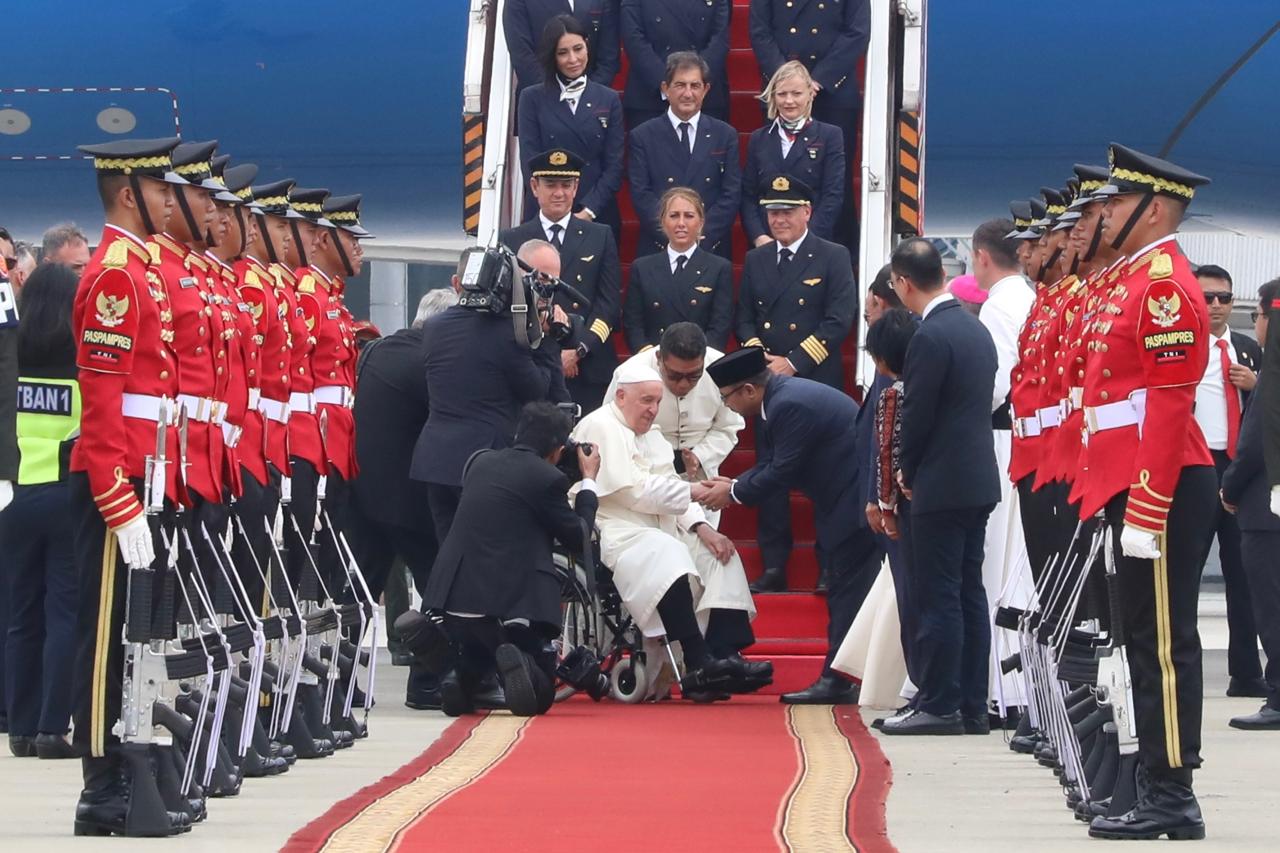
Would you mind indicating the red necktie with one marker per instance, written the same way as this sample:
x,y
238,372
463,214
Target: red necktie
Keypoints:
x,y
1233,400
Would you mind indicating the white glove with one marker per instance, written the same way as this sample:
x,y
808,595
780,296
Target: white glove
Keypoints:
x,y
136,547
6,493
1275,500
1138,544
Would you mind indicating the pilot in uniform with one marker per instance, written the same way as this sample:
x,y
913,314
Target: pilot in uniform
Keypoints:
x,y
830,37
652,30
1150,471
589,264
796,300
124,333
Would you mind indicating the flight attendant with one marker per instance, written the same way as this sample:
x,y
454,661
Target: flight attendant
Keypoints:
x,y
686,283
793,143
570,111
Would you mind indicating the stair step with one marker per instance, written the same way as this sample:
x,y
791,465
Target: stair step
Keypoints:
x,y
799,616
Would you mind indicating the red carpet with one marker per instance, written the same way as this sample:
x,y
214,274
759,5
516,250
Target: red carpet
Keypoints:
x,y
747,775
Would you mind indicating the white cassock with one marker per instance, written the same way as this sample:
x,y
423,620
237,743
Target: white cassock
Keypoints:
x,y
699,421
1006,572
644,520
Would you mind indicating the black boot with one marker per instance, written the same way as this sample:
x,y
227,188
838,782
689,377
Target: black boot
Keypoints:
x,y
827,690
49,745
130,804
1166,806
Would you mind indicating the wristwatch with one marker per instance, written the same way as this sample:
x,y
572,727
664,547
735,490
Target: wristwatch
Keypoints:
x,y
581,350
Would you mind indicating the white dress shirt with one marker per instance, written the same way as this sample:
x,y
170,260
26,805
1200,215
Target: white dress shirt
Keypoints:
x,y
794,247
547,223
934,303
692,121
1211,395
1004,313
673,256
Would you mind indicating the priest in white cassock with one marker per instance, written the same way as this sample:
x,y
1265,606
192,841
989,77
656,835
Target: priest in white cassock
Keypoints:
x,y
677,575
692,417
1006,572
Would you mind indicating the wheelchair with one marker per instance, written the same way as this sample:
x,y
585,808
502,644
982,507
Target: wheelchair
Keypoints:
x,y
593,617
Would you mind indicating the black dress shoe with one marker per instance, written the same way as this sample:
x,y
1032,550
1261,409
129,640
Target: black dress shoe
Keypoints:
x,y
748,676
1165,807
712,676
923,723
423,700
515,671
878,722
827,690
705,697
1249,688
1266,718
454,700
977,725
772,580
110,817
283,750
49,745
820,588
488,695
22,746
1025,744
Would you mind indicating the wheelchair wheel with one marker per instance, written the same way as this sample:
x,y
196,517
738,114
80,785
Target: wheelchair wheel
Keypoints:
x,y
628,681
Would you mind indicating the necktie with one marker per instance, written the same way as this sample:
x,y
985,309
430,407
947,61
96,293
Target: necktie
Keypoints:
x,y
555,235
684,136
784,258
681,260
1233,400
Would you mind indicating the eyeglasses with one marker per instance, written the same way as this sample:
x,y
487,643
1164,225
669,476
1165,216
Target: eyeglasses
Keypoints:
x,y
724,398
1219,297
692,376
1254,315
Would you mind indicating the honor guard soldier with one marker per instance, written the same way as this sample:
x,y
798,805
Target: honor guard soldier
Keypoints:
x,y
652,30
1151,472
684,147
797,301
830,39
588,262
123,326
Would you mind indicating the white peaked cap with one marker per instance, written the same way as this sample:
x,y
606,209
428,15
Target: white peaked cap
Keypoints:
x,y
633,371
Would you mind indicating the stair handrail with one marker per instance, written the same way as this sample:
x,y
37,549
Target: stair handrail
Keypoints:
x,y
500,199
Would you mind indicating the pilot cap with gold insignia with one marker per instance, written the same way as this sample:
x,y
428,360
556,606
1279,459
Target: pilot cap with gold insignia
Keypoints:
x,y
273,199
310,203
556,163
143,158
1135,172
783,191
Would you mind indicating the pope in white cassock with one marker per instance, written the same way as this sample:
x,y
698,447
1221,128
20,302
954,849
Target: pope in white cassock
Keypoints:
x,y
692,417
677,575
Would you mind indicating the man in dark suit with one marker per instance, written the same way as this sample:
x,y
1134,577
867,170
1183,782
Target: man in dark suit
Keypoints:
x,y
797,300
948,469
813,447
1221,400
588,262
478,377
1245,493
684,147
830,38
652,30
496,568
523,21
388,512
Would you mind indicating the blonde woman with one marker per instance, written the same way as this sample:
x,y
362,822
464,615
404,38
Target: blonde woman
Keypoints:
x,y
795,144
684,283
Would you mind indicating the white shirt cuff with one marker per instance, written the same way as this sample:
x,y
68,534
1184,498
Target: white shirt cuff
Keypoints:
x,y
732,496
587,485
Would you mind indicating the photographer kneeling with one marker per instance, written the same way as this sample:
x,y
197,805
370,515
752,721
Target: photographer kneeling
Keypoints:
x,y
494,581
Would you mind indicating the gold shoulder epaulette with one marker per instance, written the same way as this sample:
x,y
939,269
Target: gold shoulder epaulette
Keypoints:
x,y
117,254
251,279
153,249
307,285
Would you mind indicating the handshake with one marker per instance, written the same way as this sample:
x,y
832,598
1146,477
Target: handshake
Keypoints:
x,y
713,493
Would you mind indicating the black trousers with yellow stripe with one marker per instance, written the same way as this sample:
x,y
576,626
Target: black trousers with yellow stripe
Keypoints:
x,y
1159,604
99,666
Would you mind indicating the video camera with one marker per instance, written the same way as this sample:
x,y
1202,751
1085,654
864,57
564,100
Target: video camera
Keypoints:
x,y
488,284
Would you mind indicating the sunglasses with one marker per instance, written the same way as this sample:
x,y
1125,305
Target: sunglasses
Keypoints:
x,y
1254,315
1220,298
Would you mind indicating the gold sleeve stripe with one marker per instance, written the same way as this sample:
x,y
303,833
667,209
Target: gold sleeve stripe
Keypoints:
x,y
814,348
103,507
120,479
600,329
132,509
754,342
1144,483
1152,530
1153,507
1154,519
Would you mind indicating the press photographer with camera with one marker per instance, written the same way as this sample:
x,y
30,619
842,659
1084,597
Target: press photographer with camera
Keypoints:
x,y
494,581
486,357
